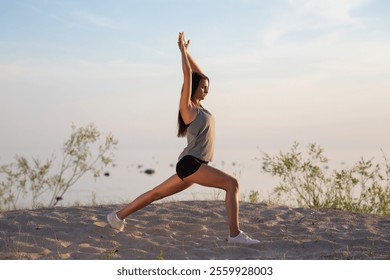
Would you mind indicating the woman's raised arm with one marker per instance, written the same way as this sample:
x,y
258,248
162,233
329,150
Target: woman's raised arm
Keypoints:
x,y
187,109
194,66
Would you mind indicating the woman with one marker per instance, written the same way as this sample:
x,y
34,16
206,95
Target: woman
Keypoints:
x,y
197,124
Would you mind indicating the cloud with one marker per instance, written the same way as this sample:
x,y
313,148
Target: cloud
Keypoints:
x,y
98,20
334,10
308,16
62,71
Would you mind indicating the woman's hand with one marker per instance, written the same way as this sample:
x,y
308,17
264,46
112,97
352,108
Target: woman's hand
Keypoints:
x,y
183,45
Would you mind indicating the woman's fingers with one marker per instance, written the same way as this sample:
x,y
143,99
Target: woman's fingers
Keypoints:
x,y
179,38
182,42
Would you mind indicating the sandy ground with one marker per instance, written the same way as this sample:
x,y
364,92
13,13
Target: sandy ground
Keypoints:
x,y
192,230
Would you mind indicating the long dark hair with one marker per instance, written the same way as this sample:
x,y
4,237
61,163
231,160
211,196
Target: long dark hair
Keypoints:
x,y
182,127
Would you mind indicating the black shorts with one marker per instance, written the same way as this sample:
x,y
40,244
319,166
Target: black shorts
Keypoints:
x,y
188,165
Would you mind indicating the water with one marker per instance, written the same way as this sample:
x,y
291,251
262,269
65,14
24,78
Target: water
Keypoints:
x,y
127,178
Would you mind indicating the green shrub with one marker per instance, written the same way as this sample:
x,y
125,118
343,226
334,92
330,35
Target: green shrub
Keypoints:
x,y
307,180
82,153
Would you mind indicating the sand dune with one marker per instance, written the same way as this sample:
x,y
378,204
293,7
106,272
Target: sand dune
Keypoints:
x,y
192,230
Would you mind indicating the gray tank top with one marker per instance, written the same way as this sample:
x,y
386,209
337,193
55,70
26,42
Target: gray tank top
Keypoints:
x,y
200,137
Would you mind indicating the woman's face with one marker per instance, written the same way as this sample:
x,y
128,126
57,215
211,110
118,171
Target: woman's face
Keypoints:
x,y
202,90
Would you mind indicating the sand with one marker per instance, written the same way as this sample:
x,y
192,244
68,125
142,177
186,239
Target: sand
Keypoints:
x,y
194,230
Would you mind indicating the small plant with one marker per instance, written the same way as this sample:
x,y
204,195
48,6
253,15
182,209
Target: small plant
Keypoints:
x,y
82,154
93,199
161,256
217,194
110,253
307,180
254,197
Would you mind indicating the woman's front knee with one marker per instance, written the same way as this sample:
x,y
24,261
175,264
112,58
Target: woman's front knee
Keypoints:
x,y
233,184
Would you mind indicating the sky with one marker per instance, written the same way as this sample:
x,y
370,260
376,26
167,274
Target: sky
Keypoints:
x,y
280,71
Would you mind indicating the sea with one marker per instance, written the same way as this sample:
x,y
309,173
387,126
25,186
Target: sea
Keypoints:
x,y
136,171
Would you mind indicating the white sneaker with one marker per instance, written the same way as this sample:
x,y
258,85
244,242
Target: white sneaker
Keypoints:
x,y
242,238
115,222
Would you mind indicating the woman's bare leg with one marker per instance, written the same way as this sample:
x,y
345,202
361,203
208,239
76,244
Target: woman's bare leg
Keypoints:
x,y
169,187
212,177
